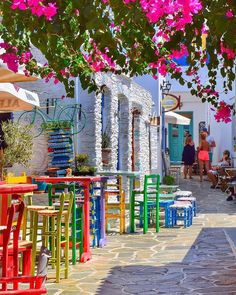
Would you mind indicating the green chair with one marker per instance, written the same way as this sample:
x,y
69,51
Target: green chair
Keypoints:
x,y
76,224
149,198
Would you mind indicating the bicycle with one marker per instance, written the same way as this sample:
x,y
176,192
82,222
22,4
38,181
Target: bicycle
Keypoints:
x,y
63,117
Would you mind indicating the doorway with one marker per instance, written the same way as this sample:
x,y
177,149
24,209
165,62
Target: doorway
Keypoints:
x,y
176,137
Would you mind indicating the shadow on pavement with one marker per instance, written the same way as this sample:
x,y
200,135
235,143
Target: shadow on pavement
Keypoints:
x,y
208,268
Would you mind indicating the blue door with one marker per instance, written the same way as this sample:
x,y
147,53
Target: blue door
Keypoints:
x,y
176,138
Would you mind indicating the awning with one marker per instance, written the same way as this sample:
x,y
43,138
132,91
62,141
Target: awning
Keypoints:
x,y
13,98
8,76
174,118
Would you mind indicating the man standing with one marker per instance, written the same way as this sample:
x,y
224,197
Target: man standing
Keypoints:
x,y
211,141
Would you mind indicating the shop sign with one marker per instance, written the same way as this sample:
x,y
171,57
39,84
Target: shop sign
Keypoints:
x,y
170,102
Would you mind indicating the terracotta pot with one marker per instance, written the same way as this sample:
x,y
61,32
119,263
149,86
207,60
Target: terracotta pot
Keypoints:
x,y
106,156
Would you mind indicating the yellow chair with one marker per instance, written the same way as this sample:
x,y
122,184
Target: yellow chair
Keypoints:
x,y
115,210
55,223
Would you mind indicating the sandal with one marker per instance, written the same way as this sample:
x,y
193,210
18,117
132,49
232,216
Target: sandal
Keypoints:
x,y
230,198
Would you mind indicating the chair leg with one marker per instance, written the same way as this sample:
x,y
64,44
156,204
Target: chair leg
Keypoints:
x,y
26,261
132,213
53,241
34,247
73,233
157,213
58,253
67,250
145,214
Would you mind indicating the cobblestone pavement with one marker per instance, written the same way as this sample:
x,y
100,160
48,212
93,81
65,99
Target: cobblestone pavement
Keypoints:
x,y
196,260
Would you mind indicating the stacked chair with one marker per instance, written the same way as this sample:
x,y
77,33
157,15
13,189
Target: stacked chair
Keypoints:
x,y
115,203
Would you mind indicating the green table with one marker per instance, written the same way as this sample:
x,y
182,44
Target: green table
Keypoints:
x,y
131,175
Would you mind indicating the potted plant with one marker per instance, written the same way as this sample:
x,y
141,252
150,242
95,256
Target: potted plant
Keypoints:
x,y
168,180
86,170
82,165
106,148
19,145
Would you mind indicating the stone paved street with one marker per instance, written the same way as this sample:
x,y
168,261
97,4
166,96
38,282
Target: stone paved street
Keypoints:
x,y
196,260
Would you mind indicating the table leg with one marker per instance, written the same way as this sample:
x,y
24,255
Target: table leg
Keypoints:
x,y
103,240
87,253
4,204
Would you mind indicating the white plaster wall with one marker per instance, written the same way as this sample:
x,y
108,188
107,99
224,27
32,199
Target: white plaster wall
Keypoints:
x,y
222,132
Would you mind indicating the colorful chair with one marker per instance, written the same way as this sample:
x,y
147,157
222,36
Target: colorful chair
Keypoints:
x,y
149,199
165,204
13,247
192,200
55,222
76,224
35,285
181,211
115,203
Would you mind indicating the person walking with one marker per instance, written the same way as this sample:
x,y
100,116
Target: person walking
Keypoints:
x,y
211,140
203,154
188,157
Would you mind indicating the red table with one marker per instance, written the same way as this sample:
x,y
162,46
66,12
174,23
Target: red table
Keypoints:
x,y
85,181
6,191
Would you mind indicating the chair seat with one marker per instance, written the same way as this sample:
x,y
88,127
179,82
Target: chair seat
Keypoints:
x,y
22,245
50,212
25,244
38,208
182,194
112,191
181,205
191,199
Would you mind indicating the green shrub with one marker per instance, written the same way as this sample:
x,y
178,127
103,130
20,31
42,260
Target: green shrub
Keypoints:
x,y
168,180
81,159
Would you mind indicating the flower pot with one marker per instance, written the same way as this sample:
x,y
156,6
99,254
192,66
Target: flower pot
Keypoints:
x,y
106,156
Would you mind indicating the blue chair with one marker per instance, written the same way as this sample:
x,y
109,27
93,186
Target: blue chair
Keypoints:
x,y
166,204
180,211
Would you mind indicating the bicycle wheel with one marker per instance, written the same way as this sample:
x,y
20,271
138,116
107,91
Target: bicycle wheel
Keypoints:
x,y
73,114
33,118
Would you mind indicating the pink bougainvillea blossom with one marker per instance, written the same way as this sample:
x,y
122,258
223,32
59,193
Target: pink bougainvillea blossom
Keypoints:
x,y
77,12
99,60
229,52
229,13
223,113
37,7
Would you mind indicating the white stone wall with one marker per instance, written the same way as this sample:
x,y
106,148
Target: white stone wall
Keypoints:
x,y
119,90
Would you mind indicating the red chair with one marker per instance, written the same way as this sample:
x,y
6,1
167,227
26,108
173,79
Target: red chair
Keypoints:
x,y
35,285
12,247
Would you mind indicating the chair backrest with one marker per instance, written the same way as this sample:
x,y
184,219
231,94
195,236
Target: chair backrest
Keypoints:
x,y
55,190
13,179
152,181
14,220
66,203
151,184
